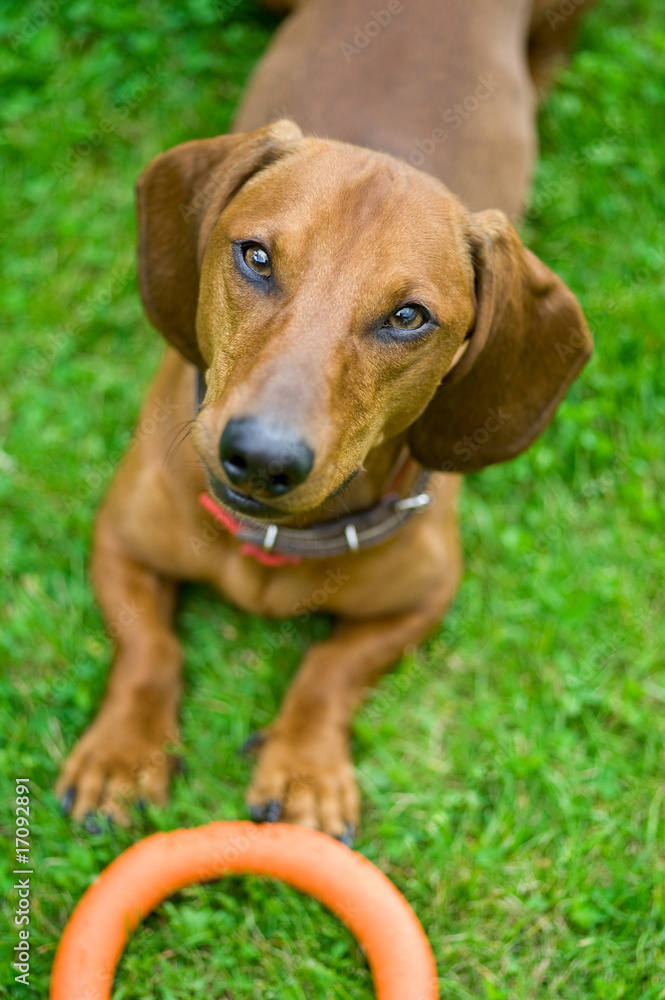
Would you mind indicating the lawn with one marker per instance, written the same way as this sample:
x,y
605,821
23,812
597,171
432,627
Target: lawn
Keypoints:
x,y
513,770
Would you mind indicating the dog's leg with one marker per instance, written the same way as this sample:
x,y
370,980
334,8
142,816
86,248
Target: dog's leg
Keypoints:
x,y
305,772
124,752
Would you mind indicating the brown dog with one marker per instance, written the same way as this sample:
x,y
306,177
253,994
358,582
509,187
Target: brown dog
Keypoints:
x,y
357,322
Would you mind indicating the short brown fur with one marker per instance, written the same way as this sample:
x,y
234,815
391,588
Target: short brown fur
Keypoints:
x,y
353,233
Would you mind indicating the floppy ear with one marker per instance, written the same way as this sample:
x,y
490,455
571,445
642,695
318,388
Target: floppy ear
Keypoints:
x,y
179,198
528,343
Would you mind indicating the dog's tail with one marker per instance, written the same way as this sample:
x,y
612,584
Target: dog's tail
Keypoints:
x,y
552,33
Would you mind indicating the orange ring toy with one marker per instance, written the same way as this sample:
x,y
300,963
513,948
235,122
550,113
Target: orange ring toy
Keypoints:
x,y
376,913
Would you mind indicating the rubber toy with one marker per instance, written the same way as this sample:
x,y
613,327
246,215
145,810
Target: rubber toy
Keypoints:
x,y
376,913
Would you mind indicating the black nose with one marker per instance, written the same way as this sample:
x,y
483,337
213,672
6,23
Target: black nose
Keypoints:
x,y
264,457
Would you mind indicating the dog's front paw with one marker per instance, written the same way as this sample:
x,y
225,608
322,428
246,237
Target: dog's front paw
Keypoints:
x,y
117,759
306,780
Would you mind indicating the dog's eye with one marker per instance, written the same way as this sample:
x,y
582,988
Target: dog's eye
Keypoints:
x,y
409,317
258,259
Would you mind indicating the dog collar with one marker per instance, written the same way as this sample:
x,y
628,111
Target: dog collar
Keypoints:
x,y
273,545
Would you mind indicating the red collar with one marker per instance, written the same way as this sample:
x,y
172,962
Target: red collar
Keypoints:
x,y
274,546
233,526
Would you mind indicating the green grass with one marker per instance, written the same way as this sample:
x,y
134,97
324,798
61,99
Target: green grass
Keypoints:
x,y
513,769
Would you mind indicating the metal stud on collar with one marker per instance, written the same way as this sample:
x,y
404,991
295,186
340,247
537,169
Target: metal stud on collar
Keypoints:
x,y
270,537
410,503
352,537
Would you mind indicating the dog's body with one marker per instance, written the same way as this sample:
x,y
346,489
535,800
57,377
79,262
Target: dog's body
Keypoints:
x,y
445,87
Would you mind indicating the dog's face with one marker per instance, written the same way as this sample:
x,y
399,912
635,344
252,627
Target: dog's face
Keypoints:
x,y
335,290
329,307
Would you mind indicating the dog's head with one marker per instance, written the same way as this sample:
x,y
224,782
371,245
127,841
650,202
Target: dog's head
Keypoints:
x,y
338,298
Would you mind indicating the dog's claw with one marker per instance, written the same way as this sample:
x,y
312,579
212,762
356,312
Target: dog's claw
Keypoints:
x,y
348,835
67,800
274,811
180,765
91,824
253,742
267,812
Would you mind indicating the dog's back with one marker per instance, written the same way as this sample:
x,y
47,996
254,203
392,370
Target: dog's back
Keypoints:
x,y
443,84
